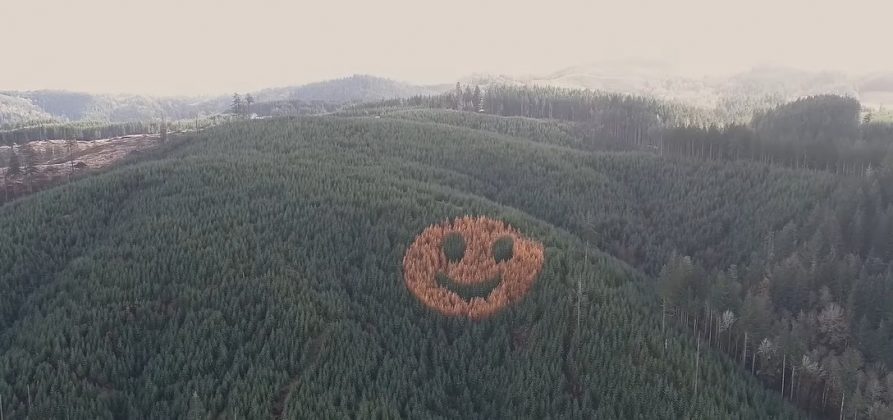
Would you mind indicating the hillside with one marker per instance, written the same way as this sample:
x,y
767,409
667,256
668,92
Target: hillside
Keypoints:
x,y
254,270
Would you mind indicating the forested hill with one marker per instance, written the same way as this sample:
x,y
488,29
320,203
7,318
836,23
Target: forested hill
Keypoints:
x,y
794,287
254,271
28,108
823,132
356,88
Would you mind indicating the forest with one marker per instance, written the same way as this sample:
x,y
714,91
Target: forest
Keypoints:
x,y
257,268
808,311
237,272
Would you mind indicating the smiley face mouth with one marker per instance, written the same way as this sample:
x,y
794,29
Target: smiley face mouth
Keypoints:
x,y
468,291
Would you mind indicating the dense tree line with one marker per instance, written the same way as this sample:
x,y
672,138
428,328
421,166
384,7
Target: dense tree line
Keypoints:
x,y
542,131
294,107
100,130
813,300
254,271
821,132
599,120
76,131
812,120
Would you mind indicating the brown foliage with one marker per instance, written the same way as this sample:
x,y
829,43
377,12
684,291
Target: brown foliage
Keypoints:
x,y
425,258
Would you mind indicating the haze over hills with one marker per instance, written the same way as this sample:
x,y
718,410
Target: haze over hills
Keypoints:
x,y
22,107
664,81
759,87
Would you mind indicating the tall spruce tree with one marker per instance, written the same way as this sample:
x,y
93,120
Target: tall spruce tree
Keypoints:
x,y
236,107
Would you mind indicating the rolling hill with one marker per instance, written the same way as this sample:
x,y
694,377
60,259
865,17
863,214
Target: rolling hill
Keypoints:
x,y
254,270
356,88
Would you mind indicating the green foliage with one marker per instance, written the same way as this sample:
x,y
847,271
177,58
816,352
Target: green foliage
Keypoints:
x,y
454,246
815,119
818,132
197,409
541,131
503,249
292,107
813,299
258,267
92,130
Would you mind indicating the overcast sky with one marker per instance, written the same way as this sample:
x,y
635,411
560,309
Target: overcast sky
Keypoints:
x,y
217,46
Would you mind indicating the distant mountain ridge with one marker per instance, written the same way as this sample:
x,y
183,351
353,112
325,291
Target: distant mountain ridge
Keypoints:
x,y
356,88
733,97
22,107
662,81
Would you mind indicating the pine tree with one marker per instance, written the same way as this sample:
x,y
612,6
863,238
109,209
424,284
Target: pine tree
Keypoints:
x,y
197,409
458,94
477,99
248,101
236,107
467,98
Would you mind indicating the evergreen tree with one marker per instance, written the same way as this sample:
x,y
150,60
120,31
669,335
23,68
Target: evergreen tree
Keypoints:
x,y
467,98
163,134
236,107
458,94
248,101
197,410
478,99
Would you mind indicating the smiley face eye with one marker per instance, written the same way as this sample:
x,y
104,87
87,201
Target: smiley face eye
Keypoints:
x,y
454,247
503,249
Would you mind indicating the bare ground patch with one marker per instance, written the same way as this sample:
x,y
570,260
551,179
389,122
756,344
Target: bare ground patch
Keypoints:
x,y
57,161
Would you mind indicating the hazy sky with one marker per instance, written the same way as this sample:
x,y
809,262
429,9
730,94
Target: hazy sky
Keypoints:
x,y
216,46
